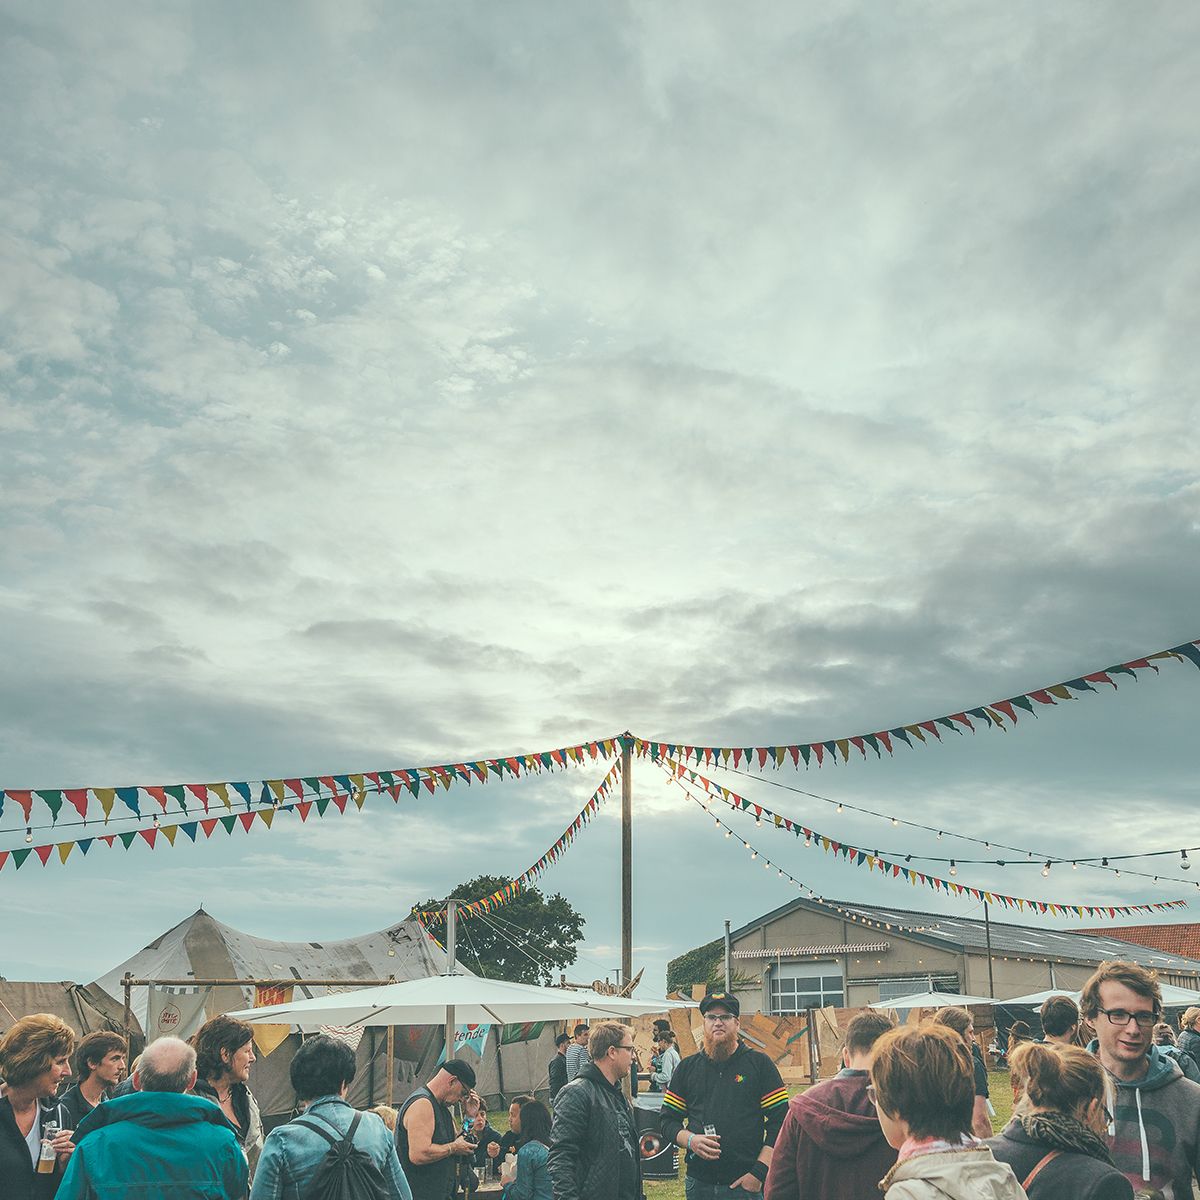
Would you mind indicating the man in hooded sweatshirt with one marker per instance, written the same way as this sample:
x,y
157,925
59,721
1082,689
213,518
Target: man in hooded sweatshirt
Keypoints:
x,y
1155,1130
831,1144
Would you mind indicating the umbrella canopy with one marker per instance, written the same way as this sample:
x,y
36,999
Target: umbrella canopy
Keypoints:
x,y
935,1000
1176,997
475,1000
1037,999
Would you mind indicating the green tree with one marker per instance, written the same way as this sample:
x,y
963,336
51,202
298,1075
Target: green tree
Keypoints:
x,y
522,941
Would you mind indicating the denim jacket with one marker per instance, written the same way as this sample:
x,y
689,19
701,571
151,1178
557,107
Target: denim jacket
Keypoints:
x,y
291,1153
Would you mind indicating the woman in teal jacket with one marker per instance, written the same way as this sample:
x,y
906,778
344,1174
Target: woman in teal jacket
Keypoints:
x,y
532,1180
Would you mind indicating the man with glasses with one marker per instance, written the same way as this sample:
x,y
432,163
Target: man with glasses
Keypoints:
x,y
1155,1129
732,1101
593,1142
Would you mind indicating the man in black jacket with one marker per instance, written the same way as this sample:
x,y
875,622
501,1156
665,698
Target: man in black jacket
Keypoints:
x,y
558,1065
594,1142
733,1101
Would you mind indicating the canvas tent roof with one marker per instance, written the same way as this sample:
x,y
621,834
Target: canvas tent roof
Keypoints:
x,y
85,1008
202,947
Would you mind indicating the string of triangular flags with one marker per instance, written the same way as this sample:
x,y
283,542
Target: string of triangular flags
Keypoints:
x,y
192,830
999,714
278,792
511,890
715,792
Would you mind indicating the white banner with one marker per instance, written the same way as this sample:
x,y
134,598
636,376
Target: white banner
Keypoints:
x,y
177,1012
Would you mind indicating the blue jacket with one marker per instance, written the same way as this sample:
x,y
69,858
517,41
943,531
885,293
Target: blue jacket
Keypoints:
x,y
155,1146
292,1153
533,1174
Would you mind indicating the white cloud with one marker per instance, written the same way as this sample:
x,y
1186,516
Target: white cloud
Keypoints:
x,y
390,385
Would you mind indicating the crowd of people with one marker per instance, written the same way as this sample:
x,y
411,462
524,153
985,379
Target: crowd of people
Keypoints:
x,y
908,1115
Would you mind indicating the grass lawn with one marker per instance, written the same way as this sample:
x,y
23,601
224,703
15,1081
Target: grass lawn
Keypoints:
x,y
998,1085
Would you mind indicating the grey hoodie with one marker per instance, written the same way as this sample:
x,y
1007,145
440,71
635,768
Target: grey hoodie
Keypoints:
x,y
967,1174
1155,1132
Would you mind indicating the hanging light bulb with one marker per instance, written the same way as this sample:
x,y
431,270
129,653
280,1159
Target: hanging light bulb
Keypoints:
x,y
1104,862
28,836
758,822
156,820
839,808
729,833
808,845
754,855
953,867
939,835
1074,866
894,821
1046,868
766,866
1184,864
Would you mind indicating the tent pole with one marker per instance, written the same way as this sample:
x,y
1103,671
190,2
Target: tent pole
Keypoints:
x,y
987,929
391,1064
626,862
128,1020
451,969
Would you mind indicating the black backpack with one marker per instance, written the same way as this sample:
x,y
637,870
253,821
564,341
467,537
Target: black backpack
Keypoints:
x,y
345,1173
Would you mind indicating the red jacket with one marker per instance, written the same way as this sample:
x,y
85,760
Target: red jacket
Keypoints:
x,y
831,1146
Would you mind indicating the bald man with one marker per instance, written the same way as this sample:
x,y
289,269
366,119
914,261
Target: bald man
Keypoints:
x,y
157,1141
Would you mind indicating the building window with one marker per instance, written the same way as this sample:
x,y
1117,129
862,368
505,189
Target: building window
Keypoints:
x,y
799,986
893,989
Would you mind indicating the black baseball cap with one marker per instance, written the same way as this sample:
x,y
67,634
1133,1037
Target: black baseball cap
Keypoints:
x,y
461,1071
562,1037
724,999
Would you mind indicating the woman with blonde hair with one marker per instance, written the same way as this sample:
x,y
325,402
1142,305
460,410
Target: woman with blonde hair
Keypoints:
x,y
1056,1142
35,1058
1189,1036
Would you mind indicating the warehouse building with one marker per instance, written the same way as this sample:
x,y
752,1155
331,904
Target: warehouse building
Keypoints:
x,y
813,953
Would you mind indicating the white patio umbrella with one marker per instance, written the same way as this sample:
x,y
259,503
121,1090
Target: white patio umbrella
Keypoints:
x,y
1037,999
445,999
935,1000
1176,997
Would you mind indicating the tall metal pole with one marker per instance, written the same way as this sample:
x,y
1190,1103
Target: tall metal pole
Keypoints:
x,y
987,929
728,961
451,969
626,862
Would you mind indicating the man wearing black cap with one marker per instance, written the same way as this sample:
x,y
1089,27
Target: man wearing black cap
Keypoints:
x,y
731,1100
427,1139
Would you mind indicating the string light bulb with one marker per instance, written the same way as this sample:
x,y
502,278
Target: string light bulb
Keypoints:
x,y
953,867
839,808
729,833
1046,869
753,854
894,821
1184,863
28,835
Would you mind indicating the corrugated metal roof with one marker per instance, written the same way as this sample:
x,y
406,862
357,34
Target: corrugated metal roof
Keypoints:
x,y
967,933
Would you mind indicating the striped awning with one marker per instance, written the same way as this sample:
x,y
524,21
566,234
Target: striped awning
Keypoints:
x,y
800,951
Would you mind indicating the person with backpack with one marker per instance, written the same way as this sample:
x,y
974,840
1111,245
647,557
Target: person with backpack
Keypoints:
x,y
330,1151
1164,1039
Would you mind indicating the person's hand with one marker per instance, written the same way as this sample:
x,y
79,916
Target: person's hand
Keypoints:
x,y
460,1145
62,1144
493,1149
747,1182
706,1145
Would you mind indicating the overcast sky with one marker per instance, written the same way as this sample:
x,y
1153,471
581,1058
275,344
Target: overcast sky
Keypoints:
x,y
387,384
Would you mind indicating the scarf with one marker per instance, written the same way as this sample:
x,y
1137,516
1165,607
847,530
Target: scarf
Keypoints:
x,y
1064,1132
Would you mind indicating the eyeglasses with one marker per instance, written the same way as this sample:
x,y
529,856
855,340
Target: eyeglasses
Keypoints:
x,y
1118,1016
625,1046
717,1018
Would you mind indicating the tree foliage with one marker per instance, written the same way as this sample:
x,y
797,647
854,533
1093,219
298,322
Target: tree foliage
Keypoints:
x,y
522,941
702,965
